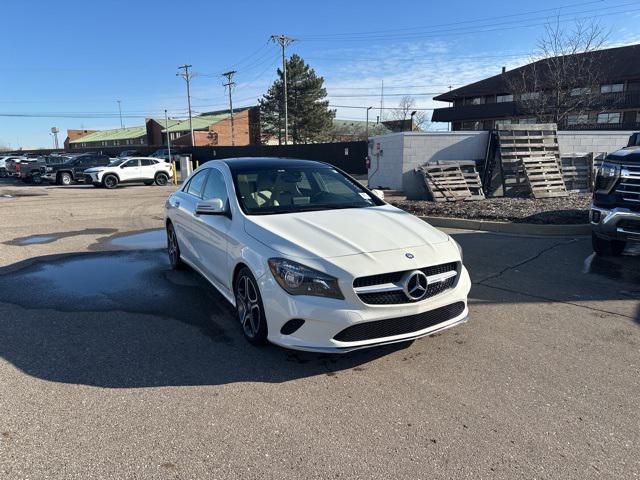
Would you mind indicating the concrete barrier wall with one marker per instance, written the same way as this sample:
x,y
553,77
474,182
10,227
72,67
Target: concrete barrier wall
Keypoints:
x,y
394,156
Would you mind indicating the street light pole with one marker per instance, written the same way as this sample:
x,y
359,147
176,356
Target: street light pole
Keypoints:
x,y
367,128
166,127
187,77
120,111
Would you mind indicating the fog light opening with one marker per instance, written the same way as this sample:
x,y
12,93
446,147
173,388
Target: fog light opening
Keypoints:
x,y
595,216
291,326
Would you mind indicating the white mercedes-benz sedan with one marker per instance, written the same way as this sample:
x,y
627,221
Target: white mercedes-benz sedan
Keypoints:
x,y
311,259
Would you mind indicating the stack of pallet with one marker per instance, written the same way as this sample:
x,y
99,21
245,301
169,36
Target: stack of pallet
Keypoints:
x,y
448,181
530,160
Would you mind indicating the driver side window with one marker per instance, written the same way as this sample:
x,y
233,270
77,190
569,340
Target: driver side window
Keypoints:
x,y
196,184
132,163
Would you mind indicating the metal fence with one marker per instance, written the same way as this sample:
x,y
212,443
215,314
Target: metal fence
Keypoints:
x,y
348,156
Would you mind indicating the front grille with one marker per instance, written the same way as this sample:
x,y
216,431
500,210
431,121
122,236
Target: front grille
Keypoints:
x,y
396,276
397,296
629,184
400,326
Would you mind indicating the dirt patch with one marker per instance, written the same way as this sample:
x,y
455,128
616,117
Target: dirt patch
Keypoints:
x,y
570,210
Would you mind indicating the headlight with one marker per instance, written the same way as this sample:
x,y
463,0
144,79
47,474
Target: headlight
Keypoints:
x,y
297,279
459,248
608,174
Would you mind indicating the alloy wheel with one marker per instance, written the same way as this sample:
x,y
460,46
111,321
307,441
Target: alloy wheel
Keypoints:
x,y
248,305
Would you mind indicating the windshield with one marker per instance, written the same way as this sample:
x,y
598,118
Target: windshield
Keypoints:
x,y
298,189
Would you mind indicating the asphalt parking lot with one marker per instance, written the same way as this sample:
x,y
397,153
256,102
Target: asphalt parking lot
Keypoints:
x,y
114,366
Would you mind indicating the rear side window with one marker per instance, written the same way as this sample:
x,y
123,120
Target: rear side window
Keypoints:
x,y
196,184
146,163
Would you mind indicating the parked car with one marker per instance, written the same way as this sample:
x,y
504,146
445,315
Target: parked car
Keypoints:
x,y
12,166
163,153
615,207
130,170
311,259
3,165
129,153
73,169
32,169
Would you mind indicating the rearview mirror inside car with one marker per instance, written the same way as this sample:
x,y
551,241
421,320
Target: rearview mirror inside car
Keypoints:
x,y
215,206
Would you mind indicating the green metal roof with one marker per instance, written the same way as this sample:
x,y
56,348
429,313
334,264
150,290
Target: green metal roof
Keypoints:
x,y
201,122
163,123
115,134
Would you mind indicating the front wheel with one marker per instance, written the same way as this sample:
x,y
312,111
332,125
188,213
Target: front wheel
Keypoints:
x,y
36,179
65,179
173,249
110,181
162,179
249,308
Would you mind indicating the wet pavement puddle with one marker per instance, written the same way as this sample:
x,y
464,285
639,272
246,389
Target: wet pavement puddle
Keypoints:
x,y
147,240
49,238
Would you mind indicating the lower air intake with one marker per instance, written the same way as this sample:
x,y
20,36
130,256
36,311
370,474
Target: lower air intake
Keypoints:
x,y
399,326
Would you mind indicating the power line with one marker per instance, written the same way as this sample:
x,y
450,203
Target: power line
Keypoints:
x,y
463,22
481,28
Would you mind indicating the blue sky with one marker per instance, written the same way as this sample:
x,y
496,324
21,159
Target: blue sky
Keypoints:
x,y
66,63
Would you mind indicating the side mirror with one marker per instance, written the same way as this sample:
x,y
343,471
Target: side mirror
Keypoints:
x,y
378,193
215,206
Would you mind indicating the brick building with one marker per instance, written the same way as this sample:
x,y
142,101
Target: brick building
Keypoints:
x,y
614,106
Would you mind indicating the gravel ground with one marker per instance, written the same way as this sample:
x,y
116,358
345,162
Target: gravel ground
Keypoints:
x,y
569,210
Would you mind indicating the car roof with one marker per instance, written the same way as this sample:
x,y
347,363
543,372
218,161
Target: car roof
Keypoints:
x,y
249,163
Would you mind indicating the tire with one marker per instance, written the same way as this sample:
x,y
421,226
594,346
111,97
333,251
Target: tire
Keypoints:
x,y
65,178
36,179
110,181
173,249
249,308
162,179
604,247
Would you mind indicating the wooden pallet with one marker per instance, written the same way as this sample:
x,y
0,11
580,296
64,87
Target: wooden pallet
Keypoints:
x,y
445,183
520,143
544,177
448,181
577,171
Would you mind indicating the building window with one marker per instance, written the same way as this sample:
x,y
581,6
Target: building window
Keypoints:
x,y
474,101
528,121
504,98
505,121
577,119
611,117
576,92
612,88
530,96
104,143
637,117
472,125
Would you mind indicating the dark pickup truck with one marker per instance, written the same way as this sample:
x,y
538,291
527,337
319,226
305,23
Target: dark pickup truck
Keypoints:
x,y
73,169
615,208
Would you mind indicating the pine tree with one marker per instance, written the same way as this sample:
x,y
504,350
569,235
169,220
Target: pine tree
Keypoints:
x,y
310,119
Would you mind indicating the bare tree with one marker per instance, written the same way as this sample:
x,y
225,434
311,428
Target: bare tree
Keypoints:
x,y
407,105
565,75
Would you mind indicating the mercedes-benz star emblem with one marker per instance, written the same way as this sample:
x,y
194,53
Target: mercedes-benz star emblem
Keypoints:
x,y
415,285
408,255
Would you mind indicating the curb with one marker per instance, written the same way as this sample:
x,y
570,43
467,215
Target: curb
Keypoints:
x,y
505,227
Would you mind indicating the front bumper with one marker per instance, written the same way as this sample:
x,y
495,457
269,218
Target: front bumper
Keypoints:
x,y
325,318
616,223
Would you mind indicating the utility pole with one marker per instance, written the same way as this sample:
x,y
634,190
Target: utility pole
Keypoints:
x,y
120,111
230,83
187,77
166,127
367,128
382,101
284,41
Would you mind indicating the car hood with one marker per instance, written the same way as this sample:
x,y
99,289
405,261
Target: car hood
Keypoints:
x,y
95,169
335,233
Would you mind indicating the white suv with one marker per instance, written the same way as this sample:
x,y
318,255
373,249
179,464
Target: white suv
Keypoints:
x,y
129,170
